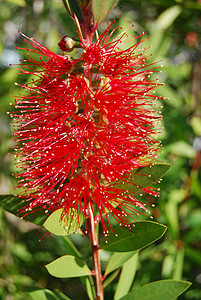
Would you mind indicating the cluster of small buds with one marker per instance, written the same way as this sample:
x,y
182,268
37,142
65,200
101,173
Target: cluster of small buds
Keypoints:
x,y
85,125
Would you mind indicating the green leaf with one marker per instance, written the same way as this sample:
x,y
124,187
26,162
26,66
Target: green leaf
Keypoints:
x,y
18,2
101,9
167,17
70,247
60,224
179,264
181,148
167,91
68,266
90,288
88,281
44,294
13,204
193,254
124,240
117,260
144,176
160,44
110,278
127,276
73,7
61,296
163,289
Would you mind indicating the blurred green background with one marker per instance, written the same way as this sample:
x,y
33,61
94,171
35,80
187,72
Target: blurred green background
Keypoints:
x,y
174,28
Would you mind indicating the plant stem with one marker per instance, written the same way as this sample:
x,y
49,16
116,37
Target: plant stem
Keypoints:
x,y
95,250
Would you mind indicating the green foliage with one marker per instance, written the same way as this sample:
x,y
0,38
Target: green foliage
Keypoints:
x,y
44,294
144,177
72,8
117,260
14,204
60,224
169,27
101,9
18,2
68,266
163,289
140,235
127,276
168,17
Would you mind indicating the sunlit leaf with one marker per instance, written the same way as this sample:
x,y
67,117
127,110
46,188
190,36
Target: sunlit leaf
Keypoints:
x,y
127,276
163,289
60,224
68,266
44,294
141,235
101,9
181,148
167,17
90,288
61,296
117,260
167,91
178,264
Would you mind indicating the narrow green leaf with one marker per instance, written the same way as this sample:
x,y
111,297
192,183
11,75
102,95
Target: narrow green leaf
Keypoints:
x,y
101,9
110,278
60,224
143,234
88,283
175,99
68,266
13,204
65,3
73,7
167,265
144,177
179,264
163,289
168,16
90,288
193,254
127,277
117,260
44,294
70,247
61,296
181,148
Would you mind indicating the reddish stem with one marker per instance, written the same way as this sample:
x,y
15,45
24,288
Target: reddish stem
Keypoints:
x,y
95,250
87,31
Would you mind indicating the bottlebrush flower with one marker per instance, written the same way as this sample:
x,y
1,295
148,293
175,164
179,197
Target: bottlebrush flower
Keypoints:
x,y
85,125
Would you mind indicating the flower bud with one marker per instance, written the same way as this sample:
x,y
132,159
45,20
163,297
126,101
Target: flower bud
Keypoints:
x,y
68,44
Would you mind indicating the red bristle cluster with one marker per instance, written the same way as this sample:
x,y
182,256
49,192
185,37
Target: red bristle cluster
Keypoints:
x,y
85,125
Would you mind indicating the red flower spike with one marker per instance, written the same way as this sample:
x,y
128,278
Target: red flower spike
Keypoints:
x,y
81,130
